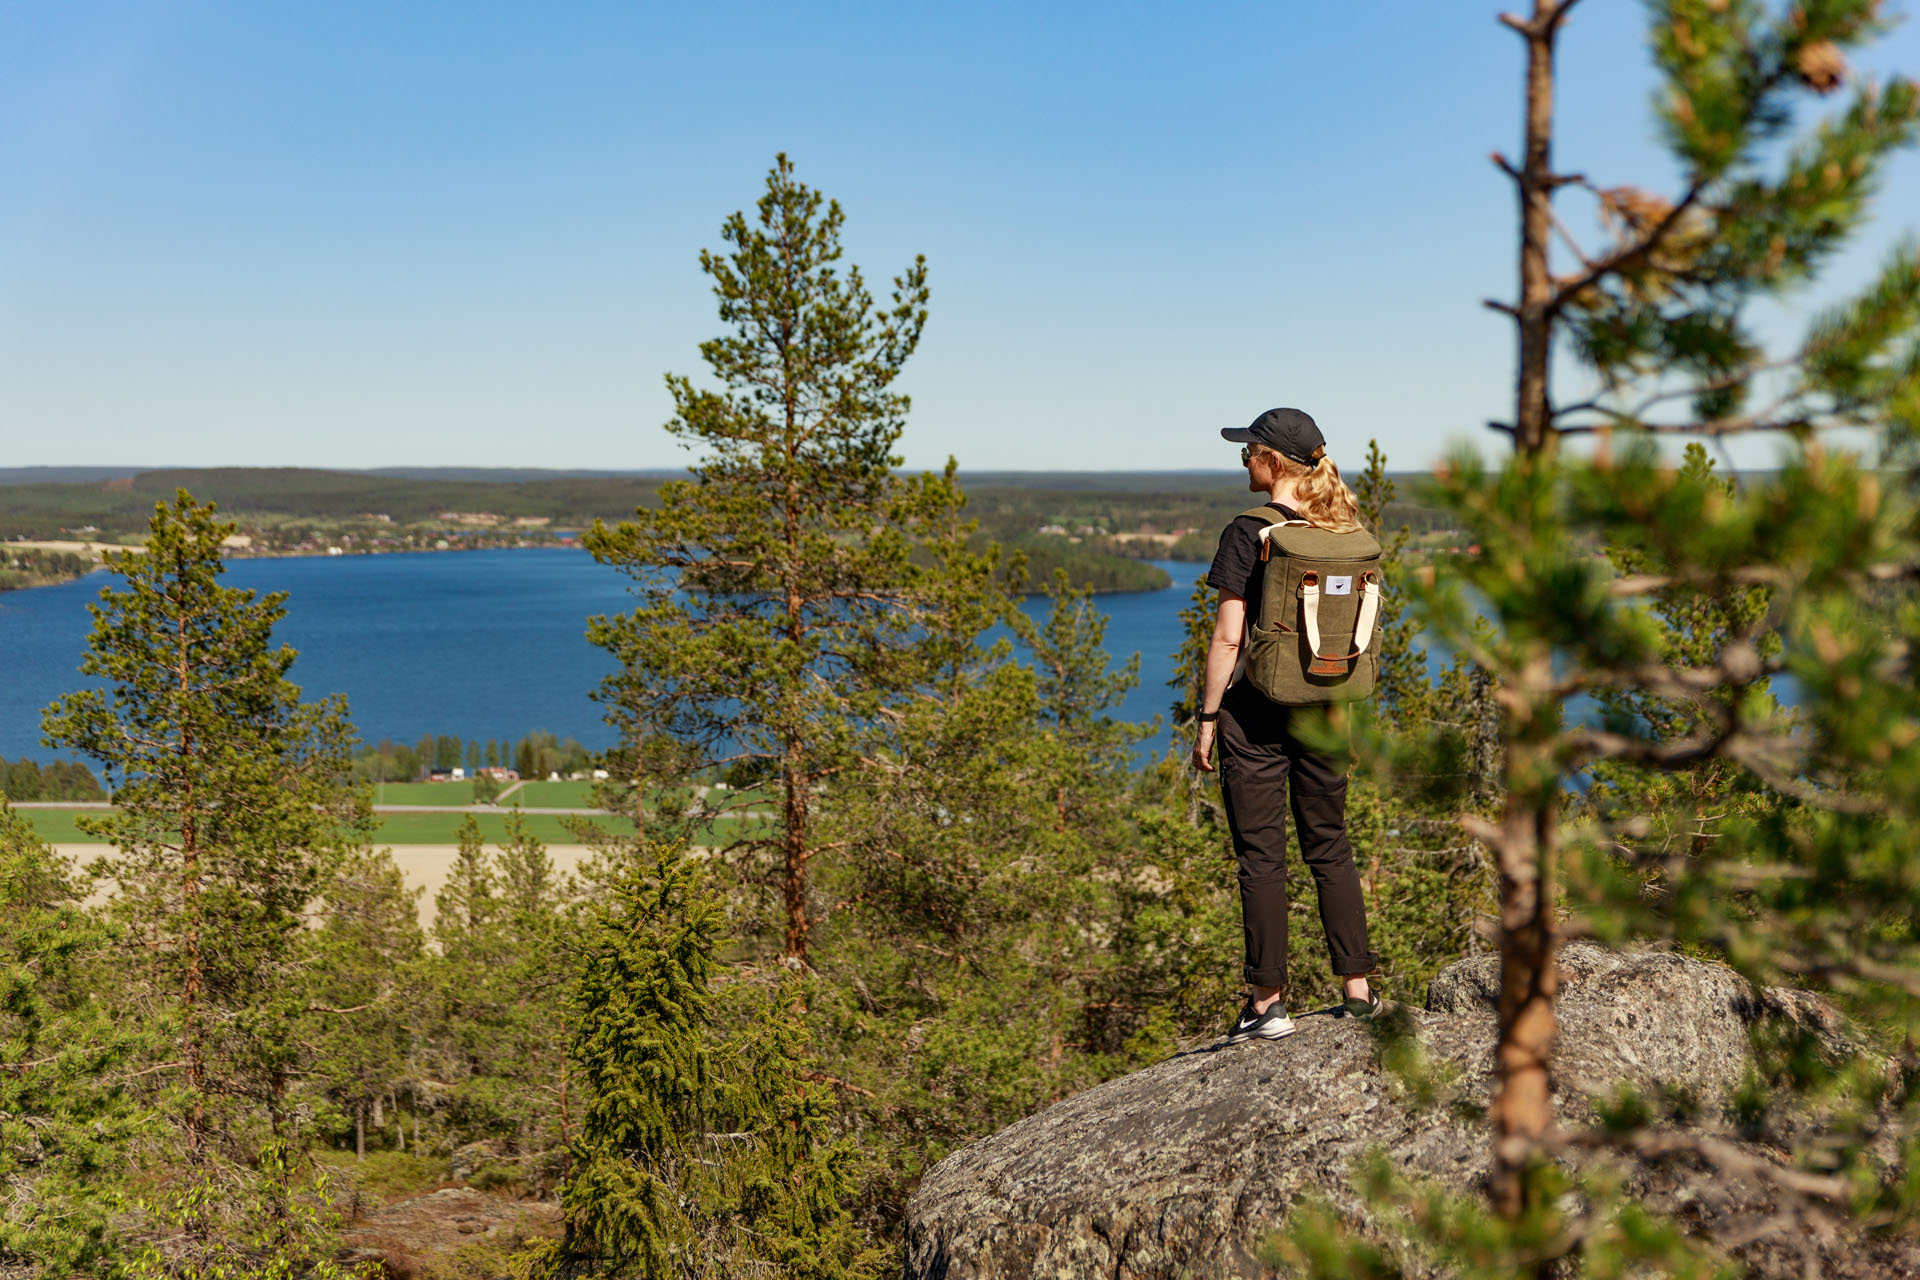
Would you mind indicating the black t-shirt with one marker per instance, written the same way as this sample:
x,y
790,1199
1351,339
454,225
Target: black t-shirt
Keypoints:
x,y
1236,565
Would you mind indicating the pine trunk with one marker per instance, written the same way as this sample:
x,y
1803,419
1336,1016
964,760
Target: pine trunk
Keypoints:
x,y
192,1051
793,762
1522,1107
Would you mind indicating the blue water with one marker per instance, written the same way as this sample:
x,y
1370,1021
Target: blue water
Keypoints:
x,y
479,644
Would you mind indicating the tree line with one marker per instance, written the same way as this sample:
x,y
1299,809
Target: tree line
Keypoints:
x,y
537,755
36,567
60,780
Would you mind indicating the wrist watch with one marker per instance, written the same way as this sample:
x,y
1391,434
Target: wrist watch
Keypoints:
x,y
1206,717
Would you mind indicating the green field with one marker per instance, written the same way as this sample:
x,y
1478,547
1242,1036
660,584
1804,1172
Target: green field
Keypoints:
x,y
443,828
55,826
553,795
448,793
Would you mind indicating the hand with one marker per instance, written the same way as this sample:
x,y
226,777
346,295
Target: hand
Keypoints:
x,y
1203,747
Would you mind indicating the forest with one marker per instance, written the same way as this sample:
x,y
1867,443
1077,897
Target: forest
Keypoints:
x,y
738,1057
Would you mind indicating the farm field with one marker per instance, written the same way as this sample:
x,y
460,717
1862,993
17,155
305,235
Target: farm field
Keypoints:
x,y
553,795
446,793
444,828
56,826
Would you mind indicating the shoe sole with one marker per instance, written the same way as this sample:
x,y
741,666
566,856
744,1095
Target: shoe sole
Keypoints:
x,y
1241,1037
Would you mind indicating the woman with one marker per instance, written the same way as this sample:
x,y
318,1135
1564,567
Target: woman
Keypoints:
x,y
1263,765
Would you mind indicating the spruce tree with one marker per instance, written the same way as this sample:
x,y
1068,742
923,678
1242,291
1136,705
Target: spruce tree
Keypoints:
x,y
67,1115
786,588
964,978
702,1151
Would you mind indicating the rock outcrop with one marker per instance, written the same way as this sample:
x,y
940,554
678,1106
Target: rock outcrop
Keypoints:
x,y
1178,1170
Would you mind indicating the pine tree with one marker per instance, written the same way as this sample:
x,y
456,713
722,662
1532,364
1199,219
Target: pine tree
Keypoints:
x,y
785,588
502,924
67,1116
1659,316
1809,875
232,811
963,977
365,986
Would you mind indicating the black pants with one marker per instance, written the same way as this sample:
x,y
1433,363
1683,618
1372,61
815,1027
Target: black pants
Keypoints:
x,y
1262,767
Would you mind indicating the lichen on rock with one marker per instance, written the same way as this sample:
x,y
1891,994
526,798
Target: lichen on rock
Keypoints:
x,y
1179,1170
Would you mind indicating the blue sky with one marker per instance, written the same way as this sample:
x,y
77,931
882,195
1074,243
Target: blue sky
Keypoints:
x,y
372,234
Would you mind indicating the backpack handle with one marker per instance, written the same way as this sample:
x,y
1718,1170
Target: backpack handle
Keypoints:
x,y
1275,522
1327,664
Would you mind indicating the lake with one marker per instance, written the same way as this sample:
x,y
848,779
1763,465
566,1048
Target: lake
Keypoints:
x,y
479,644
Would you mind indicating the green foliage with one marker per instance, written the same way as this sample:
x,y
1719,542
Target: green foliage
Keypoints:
x,y
502,924
231,813
1757,216
965,981
26,780
1585,1226
702,1151
382,1176
66,1116
788,591
34,567
366,983
1085,567
280,1226
1402,664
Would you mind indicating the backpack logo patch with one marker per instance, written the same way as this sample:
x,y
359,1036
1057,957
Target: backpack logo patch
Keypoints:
x,y
1341,586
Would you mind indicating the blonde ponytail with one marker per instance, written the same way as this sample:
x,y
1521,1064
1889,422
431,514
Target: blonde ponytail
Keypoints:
x,y
1322,496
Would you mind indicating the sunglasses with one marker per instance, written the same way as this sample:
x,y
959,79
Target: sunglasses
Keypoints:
x,y
1246,454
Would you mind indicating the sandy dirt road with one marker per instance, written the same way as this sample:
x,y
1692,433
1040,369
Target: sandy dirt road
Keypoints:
x,y
424,866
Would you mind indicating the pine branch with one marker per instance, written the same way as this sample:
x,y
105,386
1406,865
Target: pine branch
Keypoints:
x,y
1723,1155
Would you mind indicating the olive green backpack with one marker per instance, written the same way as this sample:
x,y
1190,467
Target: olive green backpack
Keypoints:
x,y
1315,638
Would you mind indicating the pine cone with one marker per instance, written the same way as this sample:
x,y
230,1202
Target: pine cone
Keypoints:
x,y
1821,66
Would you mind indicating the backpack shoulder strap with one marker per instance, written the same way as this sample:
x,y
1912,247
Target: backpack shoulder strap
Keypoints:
x,y
1274,521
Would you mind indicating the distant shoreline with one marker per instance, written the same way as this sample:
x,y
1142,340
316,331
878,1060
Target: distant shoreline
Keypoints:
x,y
345,553
296,555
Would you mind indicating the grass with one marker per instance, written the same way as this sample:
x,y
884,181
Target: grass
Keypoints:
x,y
553,795
443,828
424,792
55,826
386,1176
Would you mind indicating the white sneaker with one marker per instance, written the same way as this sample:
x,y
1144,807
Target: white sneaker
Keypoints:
x,y
1270,1025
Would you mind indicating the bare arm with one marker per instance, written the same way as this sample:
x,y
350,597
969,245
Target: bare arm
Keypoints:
x,y
1223,654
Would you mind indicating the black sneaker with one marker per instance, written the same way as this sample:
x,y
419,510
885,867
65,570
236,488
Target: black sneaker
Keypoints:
x,y
1270,1025
1358,1008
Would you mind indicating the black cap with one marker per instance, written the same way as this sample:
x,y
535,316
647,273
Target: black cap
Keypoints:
x,y
1287,431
